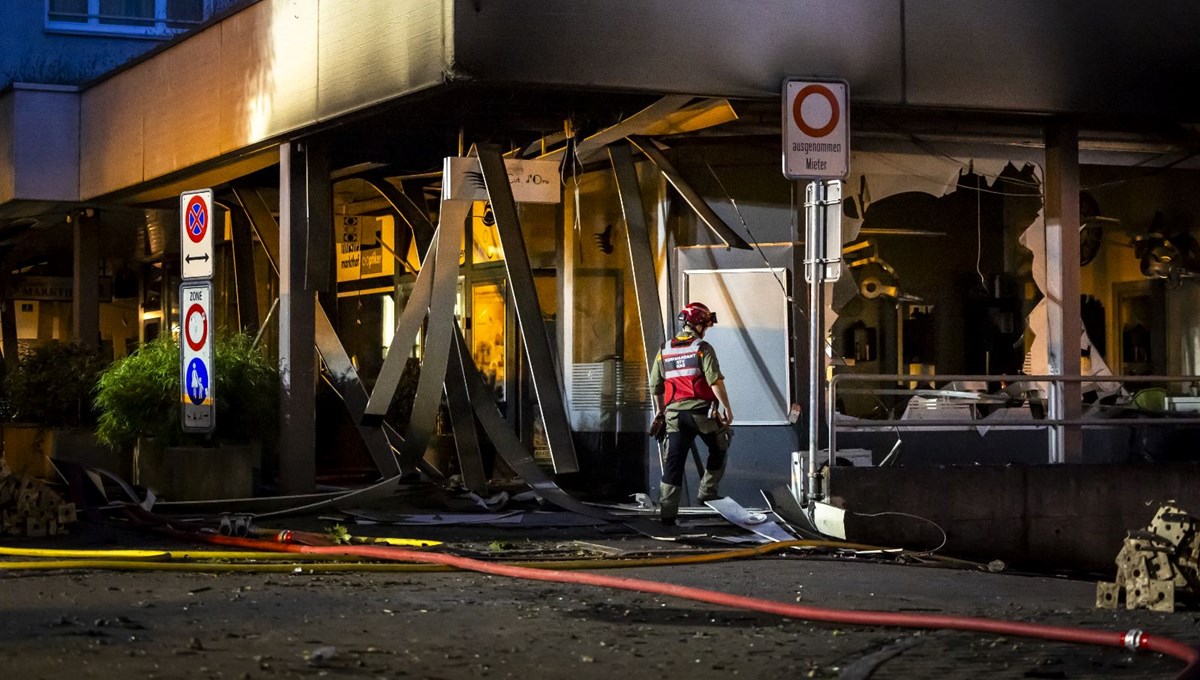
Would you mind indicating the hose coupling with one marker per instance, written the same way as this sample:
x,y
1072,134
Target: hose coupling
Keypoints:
x,y
1133,639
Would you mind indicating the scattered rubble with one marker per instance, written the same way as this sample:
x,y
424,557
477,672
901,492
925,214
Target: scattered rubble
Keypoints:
x,y
1157,565
30,508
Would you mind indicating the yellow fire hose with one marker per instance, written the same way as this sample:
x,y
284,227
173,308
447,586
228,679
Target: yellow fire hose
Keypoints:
x,y
200,560
166,555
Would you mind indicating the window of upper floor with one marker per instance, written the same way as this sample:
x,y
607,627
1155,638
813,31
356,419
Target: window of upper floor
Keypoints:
x,y
126,18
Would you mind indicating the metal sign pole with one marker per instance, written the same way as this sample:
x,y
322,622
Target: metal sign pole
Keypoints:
x,y
822,263
198,220
816,148
814,265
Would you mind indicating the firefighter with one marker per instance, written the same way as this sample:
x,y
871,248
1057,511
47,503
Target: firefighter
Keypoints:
x,y
689,394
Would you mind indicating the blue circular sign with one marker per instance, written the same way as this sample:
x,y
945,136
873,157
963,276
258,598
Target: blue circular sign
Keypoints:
x,y
196,381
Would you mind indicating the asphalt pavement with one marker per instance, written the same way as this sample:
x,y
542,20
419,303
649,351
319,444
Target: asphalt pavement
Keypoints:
x,y
93,623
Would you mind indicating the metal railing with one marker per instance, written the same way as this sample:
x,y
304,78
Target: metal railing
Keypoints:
x,y
1053,422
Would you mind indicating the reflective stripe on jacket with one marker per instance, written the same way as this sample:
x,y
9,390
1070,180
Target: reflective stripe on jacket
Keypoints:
x,y
682,373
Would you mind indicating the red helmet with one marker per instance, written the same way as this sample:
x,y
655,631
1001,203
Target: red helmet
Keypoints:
x,y
697,314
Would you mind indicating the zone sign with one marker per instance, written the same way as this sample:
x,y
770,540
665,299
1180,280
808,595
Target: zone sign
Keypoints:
x,y
196,370
196,234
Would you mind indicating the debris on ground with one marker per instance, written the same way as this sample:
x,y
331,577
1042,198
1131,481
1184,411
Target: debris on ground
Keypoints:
x,y
1157,565
321,656
28,507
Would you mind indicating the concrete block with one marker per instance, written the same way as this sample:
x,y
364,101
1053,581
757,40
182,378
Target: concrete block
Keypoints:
x,y
199,473
82,448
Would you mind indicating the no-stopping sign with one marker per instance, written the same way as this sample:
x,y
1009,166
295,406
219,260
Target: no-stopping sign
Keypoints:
x,y
816,129
196,226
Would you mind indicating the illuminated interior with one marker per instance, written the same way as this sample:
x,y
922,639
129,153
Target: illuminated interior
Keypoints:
x,y
488,333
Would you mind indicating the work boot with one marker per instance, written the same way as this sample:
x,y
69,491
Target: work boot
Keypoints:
x,y
668,503
708,485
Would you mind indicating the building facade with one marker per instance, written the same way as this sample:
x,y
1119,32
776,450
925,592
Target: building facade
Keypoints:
x,y
1021,174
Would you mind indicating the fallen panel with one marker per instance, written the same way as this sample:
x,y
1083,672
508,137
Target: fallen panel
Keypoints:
x,y
375,492
510,448
785,506
689,195
462,424
440,319
435,518
347,383
407,326
757,522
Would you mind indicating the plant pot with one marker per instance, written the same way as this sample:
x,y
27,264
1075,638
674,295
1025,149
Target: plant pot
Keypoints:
x,y
82,448
198,473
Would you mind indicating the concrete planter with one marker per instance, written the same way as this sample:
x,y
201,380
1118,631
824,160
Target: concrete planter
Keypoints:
x,y
27,449
198,473
82,448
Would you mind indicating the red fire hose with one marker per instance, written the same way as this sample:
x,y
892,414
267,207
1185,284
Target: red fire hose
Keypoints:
x,y
1134,640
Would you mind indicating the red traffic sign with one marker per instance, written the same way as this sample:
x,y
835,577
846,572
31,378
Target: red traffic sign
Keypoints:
x,y
196,226
816,129
195,327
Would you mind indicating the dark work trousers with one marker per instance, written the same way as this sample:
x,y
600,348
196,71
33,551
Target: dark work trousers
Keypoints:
x,y
680,442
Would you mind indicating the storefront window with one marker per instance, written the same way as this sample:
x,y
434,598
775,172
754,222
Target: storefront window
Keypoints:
x,y
485,238
607,367
487,333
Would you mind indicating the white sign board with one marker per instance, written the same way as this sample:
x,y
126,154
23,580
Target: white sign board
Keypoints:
x,y
196,234
823,215
816,129
751,339
531,181
196,369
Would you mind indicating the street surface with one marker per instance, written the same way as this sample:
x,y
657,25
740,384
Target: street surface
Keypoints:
x,y
102,624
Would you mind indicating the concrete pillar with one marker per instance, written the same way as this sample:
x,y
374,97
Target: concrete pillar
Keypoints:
x,y
85,295
1062,282
300,168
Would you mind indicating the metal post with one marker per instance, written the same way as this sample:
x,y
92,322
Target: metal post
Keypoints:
x,y
543,365
423,421
641,259
814,239
407,327
297,310
641,256
1062,283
